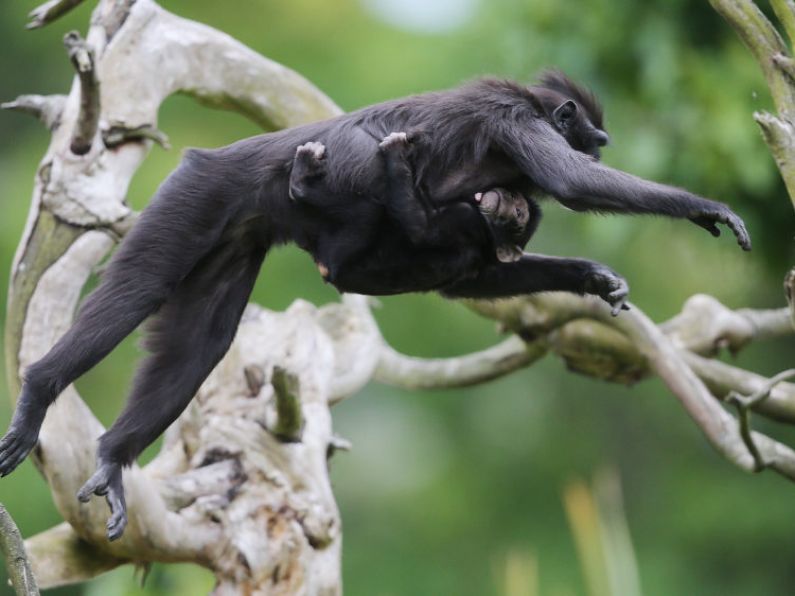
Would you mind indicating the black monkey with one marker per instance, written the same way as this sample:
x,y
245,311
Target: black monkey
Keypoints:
x,y
350,231
192,258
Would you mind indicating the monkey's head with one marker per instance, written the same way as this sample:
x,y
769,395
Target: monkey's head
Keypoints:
x,y
573,110
508,215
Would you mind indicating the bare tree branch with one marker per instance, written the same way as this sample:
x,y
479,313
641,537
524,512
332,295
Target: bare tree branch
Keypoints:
x,y
789,292
763,40
723,379
60,557
717,424
706,326
47,108
744,404
289,423
50,11
435,373
16,559
82,58
118,134
785,11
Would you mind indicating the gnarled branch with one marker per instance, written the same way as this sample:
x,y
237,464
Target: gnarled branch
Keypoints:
x,y
47,108
50,11
82,58
16,558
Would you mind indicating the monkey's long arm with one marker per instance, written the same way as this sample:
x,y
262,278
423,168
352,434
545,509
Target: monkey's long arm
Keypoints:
x,y
584,184
539,273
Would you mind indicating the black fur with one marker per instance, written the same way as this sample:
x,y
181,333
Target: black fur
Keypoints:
x,y
505,222
192,258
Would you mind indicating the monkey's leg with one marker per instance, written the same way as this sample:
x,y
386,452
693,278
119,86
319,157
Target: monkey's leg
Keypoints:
x,y
308,171
189,335
539,273
402,201
181,224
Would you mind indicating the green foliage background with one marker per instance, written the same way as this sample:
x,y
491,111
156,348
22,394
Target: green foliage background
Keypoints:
x,y
440,486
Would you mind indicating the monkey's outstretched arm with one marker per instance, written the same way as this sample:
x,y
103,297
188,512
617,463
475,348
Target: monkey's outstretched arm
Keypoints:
x,y
539,273
581,183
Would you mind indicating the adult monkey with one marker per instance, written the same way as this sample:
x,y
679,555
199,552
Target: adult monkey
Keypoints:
x,y
196,250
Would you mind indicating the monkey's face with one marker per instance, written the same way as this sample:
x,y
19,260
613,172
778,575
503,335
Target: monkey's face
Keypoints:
x,y
585,137
507,214
504,208
573,111
574,125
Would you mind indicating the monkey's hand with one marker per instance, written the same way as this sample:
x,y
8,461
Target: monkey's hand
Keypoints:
x,y
23,432
717,213
308,167
106,482
609,286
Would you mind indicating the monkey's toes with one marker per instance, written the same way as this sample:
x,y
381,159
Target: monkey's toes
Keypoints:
x,y
100,483
14,448
312,149
394,140
118,519
107,481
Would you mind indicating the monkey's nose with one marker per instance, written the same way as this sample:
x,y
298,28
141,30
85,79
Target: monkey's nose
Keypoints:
x,y
602,138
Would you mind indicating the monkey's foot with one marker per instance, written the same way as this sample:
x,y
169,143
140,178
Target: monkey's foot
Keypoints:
x,y
393,141
311,152
721,214
308,166
609,286
106,482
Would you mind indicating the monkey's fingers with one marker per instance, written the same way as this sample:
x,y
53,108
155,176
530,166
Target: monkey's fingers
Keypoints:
x,y
14,448
708,223
737,226
727,217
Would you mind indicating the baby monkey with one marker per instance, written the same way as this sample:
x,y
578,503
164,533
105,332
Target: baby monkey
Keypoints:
x,y
496,223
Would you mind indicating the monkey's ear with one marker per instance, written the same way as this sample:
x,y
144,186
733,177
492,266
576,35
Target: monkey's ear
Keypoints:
x,y
564,114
